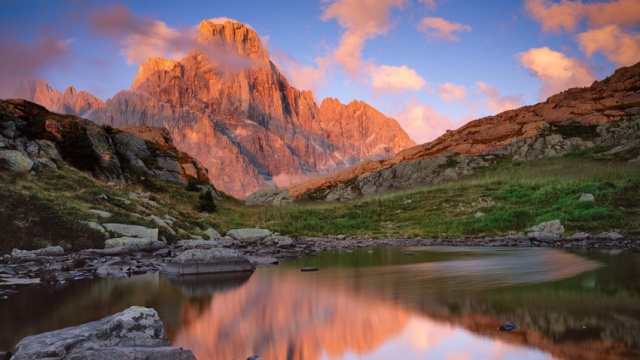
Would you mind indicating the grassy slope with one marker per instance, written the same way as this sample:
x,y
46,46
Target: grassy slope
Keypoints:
x,y
45,209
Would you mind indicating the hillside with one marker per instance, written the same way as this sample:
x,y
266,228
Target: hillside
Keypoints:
x,y
603,118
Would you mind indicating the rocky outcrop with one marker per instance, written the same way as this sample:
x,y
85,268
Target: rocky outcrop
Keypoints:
x,y
136,333
208,261
606,114
33,137
238,115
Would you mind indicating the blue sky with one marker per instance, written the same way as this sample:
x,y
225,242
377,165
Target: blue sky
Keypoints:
x,y
431,64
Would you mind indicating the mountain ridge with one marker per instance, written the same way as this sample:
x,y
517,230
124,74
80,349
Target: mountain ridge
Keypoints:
x,y
238,115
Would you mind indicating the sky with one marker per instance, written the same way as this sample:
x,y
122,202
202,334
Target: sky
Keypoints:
x,y
433,65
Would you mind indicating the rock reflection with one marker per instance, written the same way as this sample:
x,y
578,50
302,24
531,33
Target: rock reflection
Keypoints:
x,y
205,285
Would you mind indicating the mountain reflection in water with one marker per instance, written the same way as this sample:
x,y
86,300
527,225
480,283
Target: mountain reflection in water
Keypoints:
x,y
351,313
441,303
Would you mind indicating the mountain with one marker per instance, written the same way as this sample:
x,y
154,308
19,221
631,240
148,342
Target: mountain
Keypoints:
x,y
230,107
604,117
72,102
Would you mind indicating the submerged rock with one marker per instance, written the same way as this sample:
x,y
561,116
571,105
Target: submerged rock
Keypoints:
x,y
136,333
201,261
508,326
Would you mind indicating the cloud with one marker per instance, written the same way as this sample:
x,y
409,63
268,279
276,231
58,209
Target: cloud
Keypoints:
x,y
610,40
301,76
441,29
556,16
387,78
28,61
496,102
144,38
430,4
422,122
450,92
557,71
621,12
362,20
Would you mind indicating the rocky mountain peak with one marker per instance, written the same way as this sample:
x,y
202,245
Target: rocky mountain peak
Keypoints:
x,y
155,66
240,38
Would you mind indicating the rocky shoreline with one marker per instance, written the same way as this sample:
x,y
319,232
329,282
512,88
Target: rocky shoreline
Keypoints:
x,y
53,266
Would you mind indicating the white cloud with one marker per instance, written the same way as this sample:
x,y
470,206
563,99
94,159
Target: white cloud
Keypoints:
x,y
495,102
386,78
557,71
422,122
611,41
441,29
450,92
362,20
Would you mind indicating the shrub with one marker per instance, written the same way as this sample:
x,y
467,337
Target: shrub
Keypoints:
x,y
206,202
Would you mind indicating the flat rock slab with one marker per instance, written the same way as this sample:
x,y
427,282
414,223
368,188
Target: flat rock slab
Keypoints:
x,y
211,261
136,333
134,244
249,235
132,230
48,251
198,244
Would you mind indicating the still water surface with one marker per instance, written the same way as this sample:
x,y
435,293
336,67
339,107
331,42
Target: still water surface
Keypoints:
x,y
441,303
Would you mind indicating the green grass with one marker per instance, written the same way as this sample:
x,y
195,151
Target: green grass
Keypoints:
x,y
521,195
45,209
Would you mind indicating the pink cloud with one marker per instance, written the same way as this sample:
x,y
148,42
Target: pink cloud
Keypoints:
x,y
441,29
557,71
556,16
621,12
422,122
362,20
450,92
611,41
301,76
27,61
496,102
386,78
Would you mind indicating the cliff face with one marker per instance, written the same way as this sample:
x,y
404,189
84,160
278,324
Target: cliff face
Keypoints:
x,y
236,113
31,138
607,113
79,103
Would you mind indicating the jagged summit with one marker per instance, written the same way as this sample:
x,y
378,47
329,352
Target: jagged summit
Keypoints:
x,y
229,106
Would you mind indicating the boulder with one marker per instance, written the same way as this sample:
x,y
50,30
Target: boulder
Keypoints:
x,y
132,230
201,261
134,244
553,227
100,213
212,234
198,244
609,236
248,235
579,236
96,226
13,160
136,333
48,251
587,197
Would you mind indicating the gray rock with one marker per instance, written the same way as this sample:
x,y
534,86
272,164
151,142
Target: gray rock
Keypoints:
x,y
609,236
15,161
198,244
248,235
96,226
136,333
579,236
200,261
587,197
102,214
282,242
116,268
543,236
133,230
161,223
48,251
479,214
212,234
553,227
134,244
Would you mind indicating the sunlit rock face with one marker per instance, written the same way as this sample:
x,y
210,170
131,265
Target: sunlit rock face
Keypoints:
x,y
237,114
72,102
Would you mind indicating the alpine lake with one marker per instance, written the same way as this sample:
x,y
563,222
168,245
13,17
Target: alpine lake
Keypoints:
x,y
376,303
